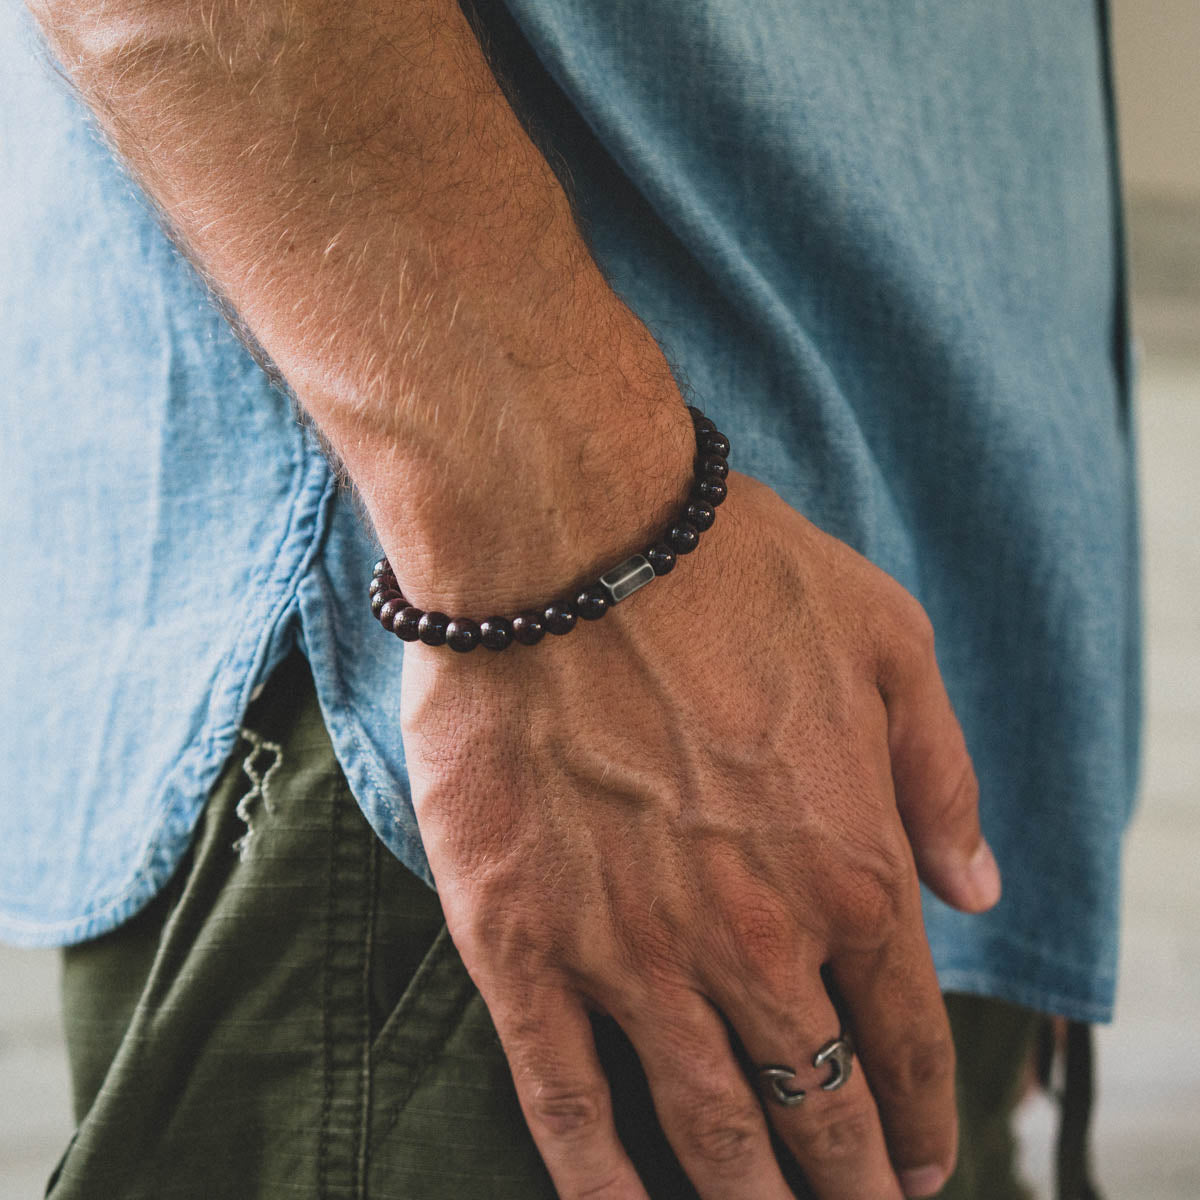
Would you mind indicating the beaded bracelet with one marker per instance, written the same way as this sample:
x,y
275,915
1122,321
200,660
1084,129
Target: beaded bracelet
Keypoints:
x,y
411,624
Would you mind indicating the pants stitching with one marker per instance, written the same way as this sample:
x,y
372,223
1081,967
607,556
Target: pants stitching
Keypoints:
x,y
426,1058
368,918
325,1135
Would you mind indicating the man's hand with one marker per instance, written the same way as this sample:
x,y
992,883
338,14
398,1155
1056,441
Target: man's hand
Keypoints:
x,y
680,816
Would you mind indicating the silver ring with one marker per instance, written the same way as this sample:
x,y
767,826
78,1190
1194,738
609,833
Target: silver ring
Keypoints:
x,y
838,1055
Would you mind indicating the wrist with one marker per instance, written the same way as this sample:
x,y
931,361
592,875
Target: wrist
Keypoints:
x,y
548,493
398,615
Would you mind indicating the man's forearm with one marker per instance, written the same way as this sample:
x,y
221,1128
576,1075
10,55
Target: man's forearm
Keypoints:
x,y
352,178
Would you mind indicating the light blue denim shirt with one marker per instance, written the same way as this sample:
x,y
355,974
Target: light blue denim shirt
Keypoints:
x,y
879,243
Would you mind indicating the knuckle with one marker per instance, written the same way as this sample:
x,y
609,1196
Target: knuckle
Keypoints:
x,y
870,896
953,807
567,1112
761,936
722,1133
649,949
912,624
502,929
840,1137
920,1068
963,795
907,633
612,1187
515,949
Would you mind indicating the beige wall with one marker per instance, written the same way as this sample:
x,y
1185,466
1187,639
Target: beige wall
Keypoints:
x,y
1157,50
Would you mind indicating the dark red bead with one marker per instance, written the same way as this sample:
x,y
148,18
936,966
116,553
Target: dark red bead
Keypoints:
x,y
703,428
387,589
695,413
701,514
715,442
496,633
462,634
711,491
527,628
406,624
683,537
381,567
712,464
378,601
559,617
661,558
591,604
431,628
389,610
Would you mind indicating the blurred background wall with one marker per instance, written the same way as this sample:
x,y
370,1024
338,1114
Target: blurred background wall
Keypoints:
x,y
1158,63
1157,52
1148,1118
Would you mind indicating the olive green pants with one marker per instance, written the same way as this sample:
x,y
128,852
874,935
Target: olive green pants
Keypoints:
x,y
290,1019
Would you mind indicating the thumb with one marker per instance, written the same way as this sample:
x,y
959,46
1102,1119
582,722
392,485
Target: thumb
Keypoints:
x,y
937,793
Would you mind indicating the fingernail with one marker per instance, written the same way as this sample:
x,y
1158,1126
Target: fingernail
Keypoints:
x,y
922,1181
984,875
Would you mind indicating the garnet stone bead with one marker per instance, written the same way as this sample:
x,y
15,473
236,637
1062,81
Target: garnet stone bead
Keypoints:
x,y
431,628
496,633
714,442
662,558
683,537
528,629
389,610
591,604
711,491
378,601
406,624
712,465
559,617
701,514
462,634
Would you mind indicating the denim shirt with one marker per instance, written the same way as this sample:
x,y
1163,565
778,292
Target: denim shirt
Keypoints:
x,y
879,243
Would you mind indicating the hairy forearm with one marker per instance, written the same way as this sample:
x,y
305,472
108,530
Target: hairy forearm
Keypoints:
x,y
352,179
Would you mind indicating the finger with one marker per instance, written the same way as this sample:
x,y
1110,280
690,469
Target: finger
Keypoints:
x,y
907,1053
705,1104
564,1096
835,1135
936,790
